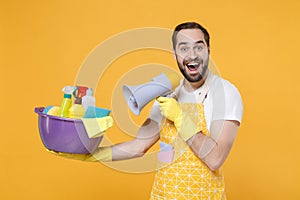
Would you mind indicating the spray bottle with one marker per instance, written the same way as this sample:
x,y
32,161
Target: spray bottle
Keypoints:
x,y
88,99
77,110
67,101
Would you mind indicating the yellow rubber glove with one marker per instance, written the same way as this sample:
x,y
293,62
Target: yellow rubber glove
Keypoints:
x,y
170,109
103,154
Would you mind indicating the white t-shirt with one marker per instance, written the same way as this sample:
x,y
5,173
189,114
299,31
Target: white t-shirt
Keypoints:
x,y
222,102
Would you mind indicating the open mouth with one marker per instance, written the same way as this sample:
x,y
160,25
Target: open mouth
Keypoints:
x,y
193,66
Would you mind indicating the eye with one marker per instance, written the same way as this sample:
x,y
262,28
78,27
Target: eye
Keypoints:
x,y
199,48
183,49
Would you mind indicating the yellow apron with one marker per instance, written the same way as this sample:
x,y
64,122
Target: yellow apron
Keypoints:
x,y
187,177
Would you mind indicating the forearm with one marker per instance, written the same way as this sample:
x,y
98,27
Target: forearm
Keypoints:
x,y
128,150
122,151
207,150
214,149
146,137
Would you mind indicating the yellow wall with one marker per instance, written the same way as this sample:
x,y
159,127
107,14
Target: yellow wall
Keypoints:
x,y
254,44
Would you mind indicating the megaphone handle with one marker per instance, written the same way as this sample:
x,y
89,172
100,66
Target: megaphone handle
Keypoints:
x,y
172,95
169,95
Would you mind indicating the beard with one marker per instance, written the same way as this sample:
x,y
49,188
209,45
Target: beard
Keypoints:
x,y
183,67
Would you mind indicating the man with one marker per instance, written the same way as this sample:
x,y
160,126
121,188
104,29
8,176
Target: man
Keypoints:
x,y
199,124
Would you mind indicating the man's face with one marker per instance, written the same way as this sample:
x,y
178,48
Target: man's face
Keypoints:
x,y
192,54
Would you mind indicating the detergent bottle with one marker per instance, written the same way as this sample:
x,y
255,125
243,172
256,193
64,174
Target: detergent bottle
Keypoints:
x,y
88,99
67,101
77,110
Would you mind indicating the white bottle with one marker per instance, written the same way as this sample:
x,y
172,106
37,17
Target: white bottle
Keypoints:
x,y
88,99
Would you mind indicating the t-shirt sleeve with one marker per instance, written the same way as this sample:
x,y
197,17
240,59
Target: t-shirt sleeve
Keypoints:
x,y
228,103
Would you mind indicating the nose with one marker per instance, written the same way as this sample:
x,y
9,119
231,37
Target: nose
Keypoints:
x,y
192,54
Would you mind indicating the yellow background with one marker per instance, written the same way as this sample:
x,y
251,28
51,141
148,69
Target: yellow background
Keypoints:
x,y
255,44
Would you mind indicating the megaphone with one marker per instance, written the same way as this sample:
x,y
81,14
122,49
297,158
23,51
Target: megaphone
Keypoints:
x,y
140,95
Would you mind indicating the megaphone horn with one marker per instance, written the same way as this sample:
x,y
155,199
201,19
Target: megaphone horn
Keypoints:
x,y
140,95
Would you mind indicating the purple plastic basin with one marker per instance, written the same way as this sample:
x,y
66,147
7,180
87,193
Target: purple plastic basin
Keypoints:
x,y
65,134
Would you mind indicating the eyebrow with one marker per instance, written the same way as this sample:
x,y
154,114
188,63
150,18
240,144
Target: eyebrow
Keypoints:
x,y
198,42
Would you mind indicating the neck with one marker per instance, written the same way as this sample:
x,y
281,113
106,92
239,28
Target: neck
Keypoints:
x,y
191,86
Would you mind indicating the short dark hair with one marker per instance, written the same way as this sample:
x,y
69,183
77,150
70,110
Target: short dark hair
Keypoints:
x,y
189,25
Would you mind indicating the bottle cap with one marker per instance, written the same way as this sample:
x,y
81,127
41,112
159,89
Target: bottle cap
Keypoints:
x,y
67,96
68,89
